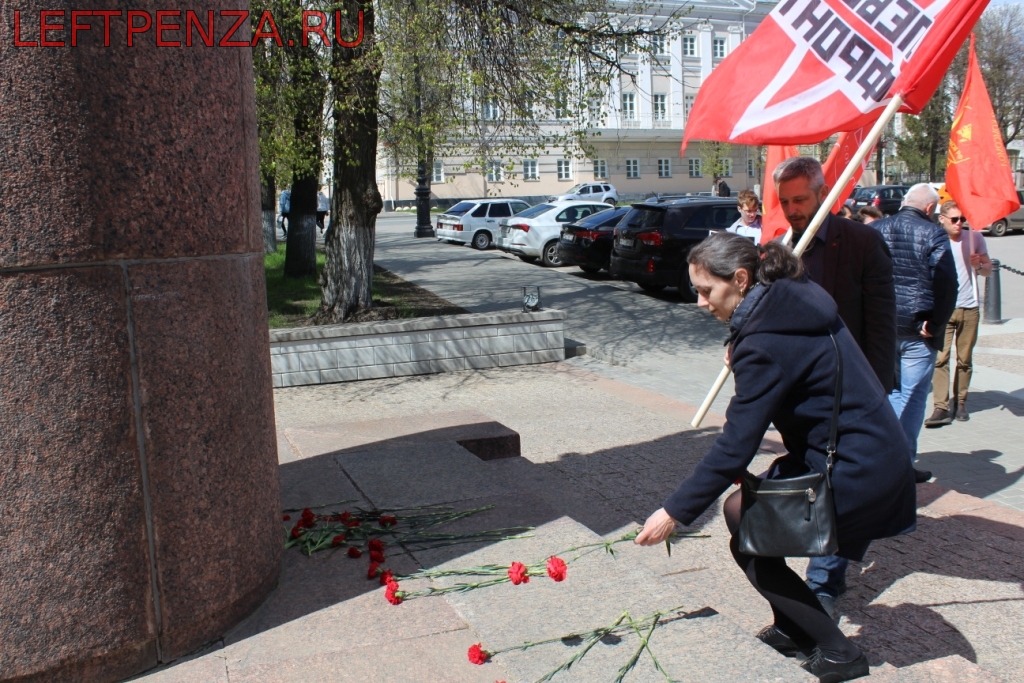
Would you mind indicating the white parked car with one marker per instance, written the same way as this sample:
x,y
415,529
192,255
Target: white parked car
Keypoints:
x,y
475,221
534,233
596,192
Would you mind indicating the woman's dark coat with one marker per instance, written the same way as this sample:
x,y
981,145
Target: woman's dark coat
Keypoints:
x,y
785,371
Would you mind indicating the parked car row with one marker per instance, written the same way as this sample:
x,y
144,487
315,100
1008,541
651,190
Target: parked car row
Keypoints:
x,y
646,243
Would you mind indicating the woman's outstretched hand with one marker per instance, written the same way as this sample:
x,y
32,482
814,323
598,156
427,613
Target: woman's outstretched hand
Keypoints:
x,y
657,529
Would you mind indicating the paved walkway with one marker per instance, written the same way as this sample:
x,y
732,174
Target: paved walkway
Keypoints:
x,y
598,455
674,349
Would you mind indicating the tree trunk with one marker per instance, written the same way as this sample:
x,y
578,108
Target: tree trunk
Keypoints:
x,y
268,203
347,276
300,252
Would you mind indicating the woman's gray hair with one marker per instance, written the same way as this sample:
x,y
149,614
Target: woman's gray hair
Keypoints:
x,y
723,253
800,167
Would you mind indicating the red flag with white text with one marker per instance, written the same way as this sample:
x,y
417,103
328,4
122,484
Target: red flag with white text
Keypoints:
x,y
978,173
773,221
840,157
815,67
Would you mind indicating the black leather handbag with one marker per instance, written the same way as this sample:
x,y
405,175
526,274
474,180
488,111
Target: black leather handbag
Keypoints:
x,y
792,516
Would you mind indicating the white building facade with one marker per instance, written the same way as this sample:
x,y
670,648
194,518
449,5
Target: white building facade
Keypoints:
x,y
635,143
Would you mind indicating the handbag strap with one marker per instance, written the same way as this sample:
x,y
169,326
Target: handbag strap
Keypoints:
x,y
833,434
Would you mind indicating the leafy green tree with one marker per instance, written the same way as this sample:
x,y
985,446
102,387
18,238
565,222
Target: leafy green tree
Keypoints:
x,y
475,78
273,124
1000,49
923,144
713,159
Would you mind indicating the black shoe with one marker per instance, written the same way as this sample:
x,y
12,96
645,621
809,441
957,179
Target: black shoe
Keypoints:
x,y
961,414
921,476
939,418
783,644
828,671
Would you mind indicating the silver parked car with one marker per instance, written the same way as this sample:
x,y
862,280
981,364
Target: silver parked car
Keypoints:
x,y
475,221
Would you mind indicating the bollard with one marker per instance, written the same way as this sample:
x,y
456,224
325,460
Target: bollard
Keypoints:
x,y
993,314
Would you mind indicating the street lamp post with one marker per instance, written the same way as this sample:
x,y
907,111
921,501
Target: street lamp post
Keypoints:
x,y
422,191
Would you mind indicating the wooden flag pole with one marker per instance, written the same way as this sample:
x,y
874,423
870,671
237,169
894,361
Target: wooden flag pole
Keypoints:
x,y
833,196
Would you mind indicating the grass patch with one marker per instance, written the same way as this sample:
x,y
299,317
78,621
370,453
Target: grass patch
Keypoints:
x,y
291,302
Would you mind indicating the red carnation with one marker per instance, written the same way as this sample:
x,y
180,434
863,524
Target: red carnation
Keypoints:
x,y
338,540
517,572
376,556
376,544
344,516
355,552
296,531
388,520
308,514
556,568
286,517
386,577
352,523
393,595
371,572
478,655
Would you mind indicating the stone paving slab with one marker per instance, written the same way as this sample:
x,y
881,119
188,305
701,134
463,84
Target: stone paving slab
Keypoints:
x,y
952,669
410,429
427,474
598,589
438,658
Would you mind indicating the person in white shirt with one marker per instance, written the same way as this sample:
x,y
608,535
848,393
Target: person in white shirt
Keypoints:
x,y
971,257
323,206
749,223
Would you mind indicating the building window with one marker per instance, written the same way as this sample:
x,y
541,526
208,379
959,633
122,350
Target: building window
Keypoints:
x,y
600,169
491,109
628,106
438,176
660,105
495,172
687,105
632,168
658,44
718,48
664,168
565,169
530,169
750,168
689,46
727,168
695,168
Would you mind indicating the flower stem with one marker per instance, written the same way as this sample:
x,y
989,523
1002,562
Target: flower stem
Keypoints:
x,y
597,636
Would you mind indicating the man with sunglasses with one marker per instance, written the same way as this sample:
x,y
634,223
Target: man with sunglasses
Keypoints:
x,y
971,258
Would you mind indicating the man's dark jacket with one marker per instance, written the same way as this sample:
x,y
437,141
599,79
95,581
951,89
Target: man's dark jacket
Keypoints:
x,y
925,273
858,274
785,369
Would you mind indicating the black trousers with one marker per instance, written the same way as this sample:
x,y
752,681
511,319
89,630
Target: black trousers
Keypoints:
x,y
797,611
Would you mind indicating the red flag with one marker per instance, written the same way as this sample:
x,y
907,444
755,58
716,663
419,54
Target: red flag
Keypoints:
x,y
814,67
773,221
839,158
978,174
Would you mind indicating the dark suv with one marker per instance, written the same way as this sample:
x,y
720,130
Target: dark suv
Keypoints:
x,y
652,241
885,198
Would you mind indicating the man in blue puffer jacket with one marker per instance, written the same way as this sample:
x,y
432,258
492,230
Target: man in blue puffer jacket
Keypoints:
x,y
926,289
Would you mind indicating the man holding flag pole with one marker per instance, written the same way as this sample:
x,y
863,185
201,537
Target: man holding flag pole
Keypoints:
x,y
817,67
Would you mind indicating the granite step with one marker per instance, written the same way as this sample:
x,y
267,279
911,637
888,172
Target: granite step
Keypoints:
x,y
705,647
